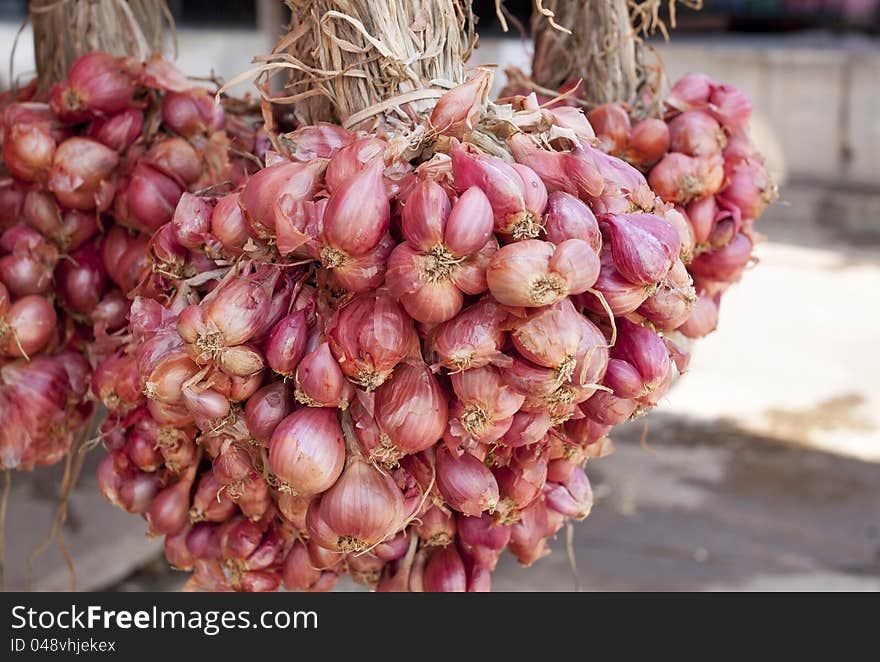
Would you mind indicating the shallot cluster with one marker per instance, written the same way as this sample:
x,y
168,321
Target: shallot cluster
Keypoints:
x,y
393,367
87,176
701,160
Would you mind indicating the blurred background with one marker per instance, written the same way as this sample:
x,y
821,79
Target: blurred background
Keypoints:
x,y
761,470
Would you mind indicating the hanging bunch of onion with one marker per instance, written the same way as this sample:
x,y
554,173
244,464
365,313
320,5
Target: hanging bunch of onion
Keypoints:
x,y
87,177
391,367
700,159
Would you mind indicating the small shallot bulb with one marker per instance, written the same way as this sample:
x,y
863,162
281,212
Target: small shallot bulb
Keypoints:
x,y
691,91
503,187
644,350
351,159
28,141
535,273
265,191
681,178
474,338
120,130
569,218
169,512
703,318
411,412
369,336
545,163
81,173
696,133
307,452
573,497
298,573
436,527
356,216
286,343
362,508
458,110
265,409
191,112
485,404
27,326
97,84
749,188
611,123
466,484
430,271
228,224
644,246
445,572
320,381
726,263
730,106
648,143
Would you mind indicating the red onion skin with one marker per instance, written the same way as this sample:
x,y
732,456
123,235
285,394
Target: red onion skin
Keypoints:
x,y
730,106
696,133
424,216
549,165
81,279
203,541
445,572
351,159
608,409
118,131
469,225
680,178
306,450
501,184
298,573
703,318
691,91
28,142
725,264
176,552
192,112
483,531
644,350
362,508
30,324
151,198
319,141
644,246
474,338
458,110
358,212
97,84
567,217
228,224
169,512
648,142
369,337
612,126
411,408
81,174
573,498
286,343
465,483
266,409
260,196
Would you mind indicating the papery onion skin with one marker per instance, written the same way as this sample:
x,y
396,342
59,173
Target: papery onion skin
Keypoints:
x,y
306,450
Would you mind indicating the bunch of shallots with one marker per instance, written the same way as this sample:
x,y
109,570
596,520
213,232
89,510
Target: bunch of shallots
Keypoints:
x,y
702,161
389,366
87,177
